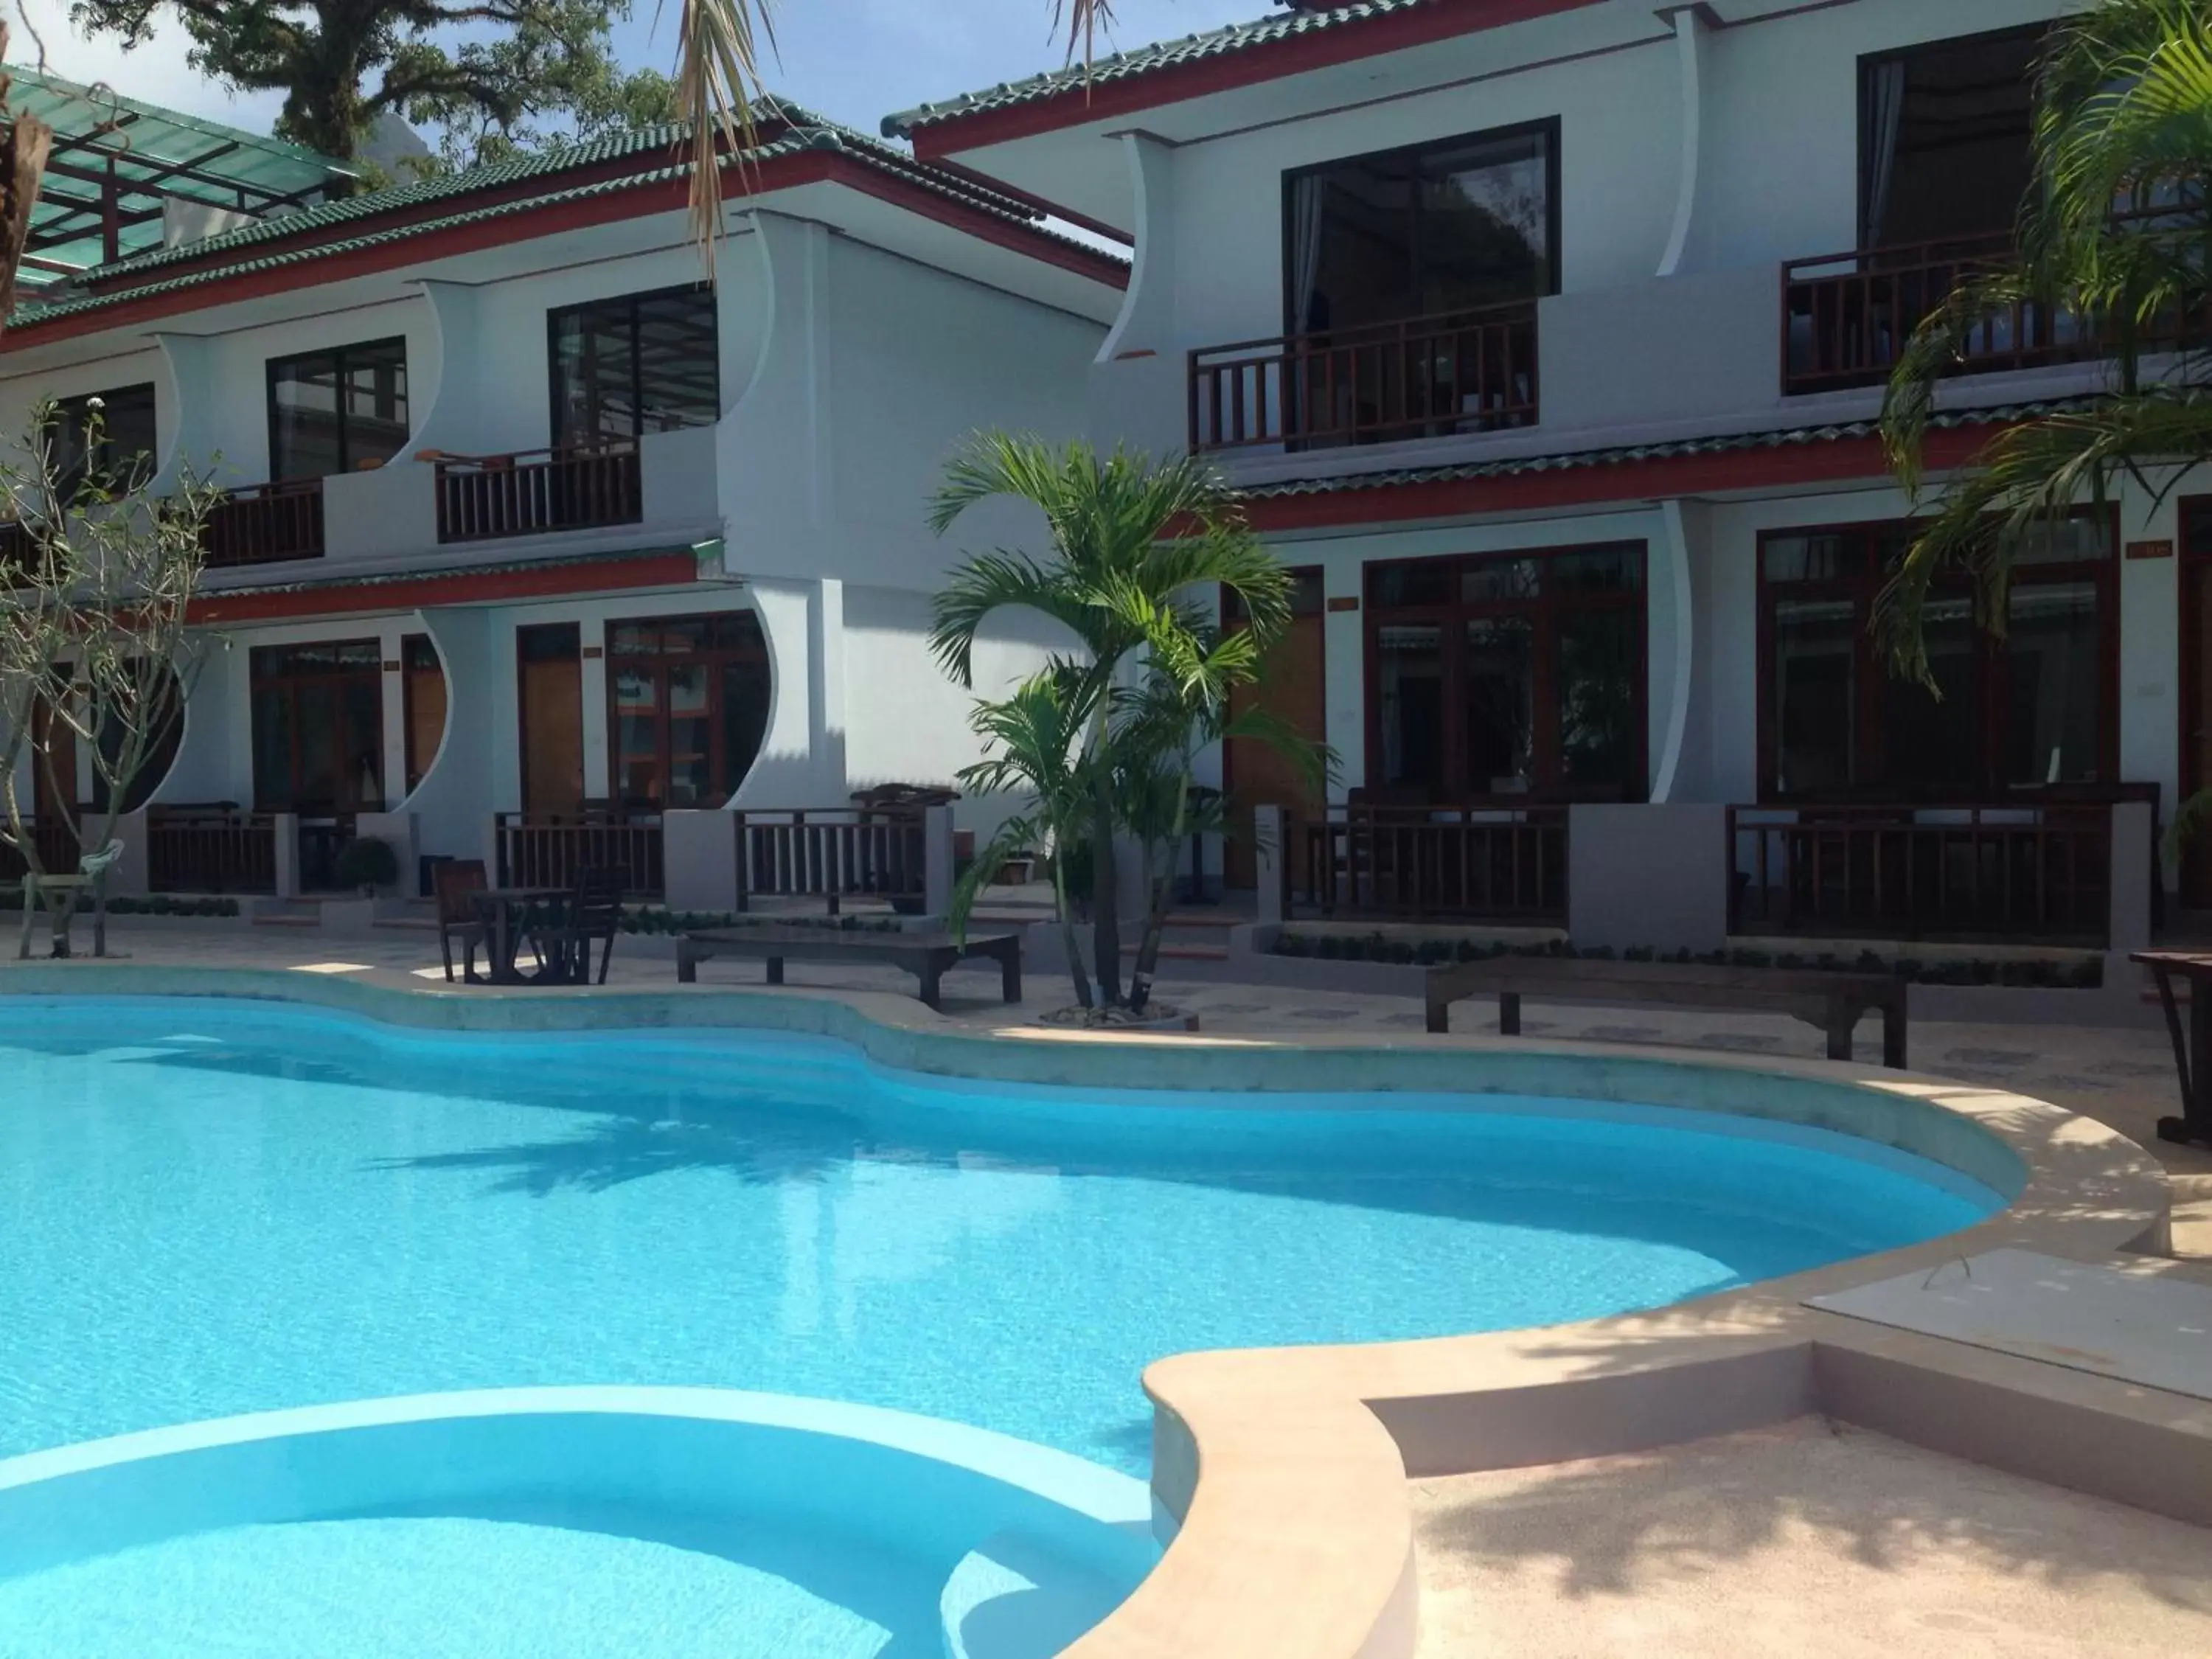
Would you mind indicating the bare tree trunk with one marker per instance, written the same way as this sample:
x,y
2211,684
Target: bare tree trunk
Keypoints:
x,y
1105,898
1158,898
1067,939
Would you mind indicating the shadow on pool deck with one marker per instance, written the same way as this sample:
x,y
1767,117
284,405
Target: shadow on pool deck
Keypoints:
x,y
1807,1538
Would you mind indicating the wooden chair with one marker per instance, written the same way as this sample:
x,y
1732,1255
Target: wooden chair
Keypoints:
x,y
594,913
452,882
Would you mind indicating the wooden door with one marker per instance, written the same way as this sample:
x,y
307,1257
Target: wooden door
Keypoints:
x,y
552,694
2196,721
1293,687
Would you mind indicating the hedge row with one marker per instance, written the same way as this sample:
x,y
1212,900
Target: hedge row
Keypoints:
x,y
2083,975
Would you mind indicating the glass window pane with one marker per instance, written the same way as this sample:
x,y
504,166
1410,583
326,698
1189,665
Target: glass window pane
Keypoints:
x,y
1815,558
679,371
2068,542
1501,658
1932,740
2054,684
637,737
1598,570
1599,662
690,736
1414,581
1490,579
744,718
304,435
1815,695
375,389
1411,669
1484,224
272,746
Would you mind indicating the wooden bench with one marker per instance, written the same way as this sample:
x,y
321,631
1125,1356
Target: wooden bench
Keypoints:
x,y
1830,1001
925,954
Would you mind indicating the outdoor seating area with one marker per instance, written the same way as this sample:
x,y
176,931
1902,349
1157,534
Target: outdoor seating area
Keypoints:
x,y
558,926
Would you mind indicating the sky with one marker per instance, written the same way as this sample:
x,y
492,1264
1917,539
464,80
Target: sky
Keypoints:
x,y
855,61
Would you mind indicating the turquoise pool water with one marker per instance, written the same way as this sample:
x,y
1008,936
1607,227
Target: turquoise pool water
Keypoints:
x,y
212,1207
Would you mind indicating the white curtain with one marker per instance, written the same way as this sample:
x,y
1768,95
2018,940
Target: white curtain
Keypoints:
x,y
1879,122
1305,248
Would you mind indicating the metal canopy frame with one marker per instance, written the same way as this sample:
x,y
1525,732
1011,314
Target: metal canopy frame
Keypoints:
x,y
116,165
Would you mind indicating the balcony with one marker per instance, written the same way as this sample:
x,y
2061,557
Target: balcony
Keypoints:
x,y
1846,317
265,524
1468,370
537,492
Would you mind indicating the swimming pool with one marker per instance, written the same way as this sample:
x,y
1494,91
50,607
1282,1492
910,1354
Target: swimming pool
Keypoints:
x,y
214,1207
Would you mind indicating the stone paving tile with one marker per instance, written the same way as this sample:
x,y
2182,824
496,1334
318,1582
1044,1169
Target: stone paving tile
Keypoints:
x,y
1991,1056
1621,1033
2061,1083
1745,1040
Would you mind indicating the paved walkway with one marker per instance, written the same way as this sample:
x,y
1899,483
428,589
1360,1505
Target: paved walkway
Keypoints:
x,y
2121,1076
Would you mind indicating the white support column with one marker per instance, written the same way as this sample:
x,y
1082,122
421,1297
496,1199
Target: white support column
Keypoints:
x,y
1691,25
286,831
399,831
599,763
128,877
392,642
2133,867
1269,851
827,738
699,860
1344,657
937,861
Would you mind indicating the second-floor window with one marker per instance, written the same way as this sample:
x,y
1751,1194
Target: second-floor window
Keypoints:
x,y
1452,226
1944,138
622,368
122,453
338,410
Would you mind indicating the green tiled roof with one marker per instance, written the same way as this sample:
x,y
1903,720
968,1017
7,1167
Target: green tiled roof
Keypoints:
x,y
260,247
1783,438
1145,60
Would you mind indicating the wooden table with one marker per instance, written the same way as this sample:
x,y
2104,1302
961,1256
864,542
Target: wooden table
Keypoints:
x,y
1832,1001
2192,1056
927,956
507,912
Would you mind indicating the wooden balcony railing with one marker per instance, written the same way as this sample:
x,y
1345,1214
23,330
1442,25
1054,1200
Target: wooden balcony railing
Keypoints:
x,y
58,847
211,851
534,492
265,524
833,854
1468,371
1846,317
545,852
2040,874
1424,864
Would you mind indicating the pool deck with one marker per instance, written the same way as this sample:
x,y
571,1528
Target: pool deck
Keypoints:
x,y
1300,1537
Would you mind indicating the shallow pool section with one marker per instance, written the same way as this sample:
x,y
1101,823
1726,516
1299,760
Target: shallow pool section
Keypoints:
x,y
640,1523
213,1207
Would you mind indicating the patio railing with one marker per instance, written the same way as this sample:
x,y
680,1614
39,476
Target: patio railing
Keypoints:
x,y
832,853
265,524
535,492
548,852
57,843
1507,865
2039,873
210,852
1468,371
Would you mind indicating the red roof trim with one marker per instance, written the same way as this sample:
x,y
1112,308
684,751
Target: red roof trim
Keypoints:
x,y
1831,461
1268,60
453,588
555,218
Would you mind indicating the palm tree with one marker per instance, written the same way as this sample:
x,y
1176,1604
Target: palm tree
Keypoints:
x,y
718,81
1035,739
1134,545
2114,235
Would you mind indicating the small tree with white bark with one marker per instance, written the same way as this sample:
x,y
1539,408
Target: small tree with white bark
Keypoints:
x,y
97,577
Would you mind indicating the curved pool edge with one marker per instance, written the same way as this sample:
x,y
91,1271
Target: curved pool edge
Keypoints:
x,y
1283,1471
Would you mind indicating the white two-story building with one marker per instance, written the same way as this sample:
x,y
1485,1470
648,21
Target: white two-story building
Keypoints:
x,y
1547,337
530,519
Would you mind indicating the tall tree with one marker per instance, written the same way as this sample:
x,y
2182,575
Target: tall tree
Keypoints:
x,y
341,64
